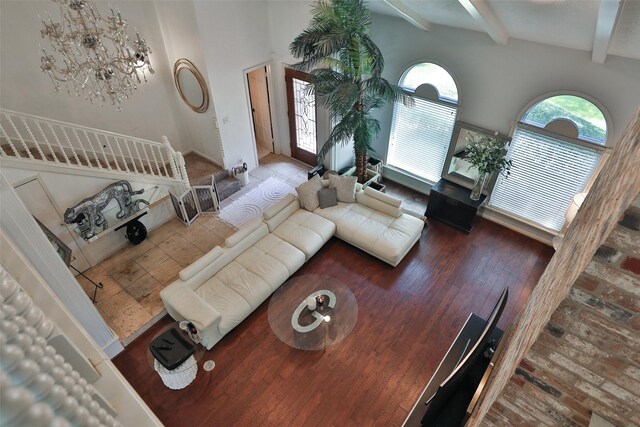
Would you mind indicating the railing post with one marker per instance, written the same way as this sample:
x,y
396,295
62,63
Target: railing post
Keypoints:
x,y
172,156
183,170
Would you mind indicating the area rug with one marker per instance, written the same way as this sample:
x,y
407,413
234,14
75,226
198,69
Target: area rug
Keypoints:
x,y
252,204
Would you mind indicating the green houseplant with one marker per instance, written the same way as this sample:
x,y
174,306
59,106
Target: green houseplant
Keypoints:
x,y
346,67
487,154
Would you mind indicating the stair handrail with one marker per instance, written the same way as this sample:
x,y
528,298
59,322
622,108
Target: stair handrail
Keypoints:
x,y
77,146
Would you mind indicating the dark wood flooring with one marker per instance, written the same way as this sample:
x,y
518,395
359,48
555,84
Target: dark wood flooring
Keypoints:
x,y
408,316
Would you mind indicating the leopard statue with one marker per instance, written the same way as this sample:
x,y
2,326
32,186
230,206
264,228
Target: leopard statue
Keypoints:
x,y
89,211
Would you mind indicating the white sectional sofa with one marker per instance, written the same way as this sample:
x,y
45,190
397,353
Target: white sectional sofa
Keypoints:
x,y
224,286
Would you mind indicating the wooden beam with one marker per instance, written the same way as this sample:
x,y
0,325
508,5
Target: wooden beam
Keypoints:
x,y
482,13
612,192
409,14
605,28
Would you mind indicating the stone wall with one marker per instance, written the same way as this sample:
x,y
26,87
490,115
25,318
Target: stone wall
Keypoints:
x,y
588,357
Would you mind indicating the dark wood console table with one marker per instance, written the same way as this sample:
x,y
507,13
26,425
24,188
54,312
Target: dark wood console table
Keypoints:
x,y
451,204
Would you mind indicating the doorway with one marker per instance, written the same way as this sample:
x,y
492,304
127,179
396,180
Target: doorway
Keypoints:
x,y
258,82
39,204
301,107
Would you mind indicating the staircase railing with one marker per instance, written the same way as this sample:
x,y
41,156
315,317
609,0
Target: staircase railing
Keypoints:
x,y
28,137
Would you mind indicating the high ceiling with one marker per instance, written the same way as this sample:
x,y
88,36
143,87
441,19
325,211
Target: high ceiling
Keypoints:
x,y
604,27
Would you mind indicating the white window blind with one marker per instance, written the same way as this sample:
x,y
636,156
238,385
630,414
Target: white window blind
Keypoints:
x,y
420,137
546,173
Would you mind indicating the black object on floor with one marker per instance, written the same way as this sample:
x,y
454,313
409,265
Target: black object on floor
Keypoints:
x,y
171,349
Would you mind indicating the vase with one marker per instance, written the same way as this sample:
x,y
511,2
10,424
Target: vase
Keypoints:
x,y
478,186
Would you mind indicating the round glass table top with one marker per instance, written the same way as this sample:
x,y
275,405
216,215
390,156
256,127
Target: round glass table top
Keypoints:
x,y
312,312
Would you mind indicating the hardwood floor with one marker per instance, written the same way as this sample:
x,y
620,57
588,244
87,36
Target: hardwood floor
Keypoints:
x,y
407,318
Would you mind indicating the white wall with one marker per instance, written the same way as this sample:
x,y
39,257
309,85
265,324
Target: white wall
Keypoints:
x,y
496,82
24,88
179,29
235,37
66,190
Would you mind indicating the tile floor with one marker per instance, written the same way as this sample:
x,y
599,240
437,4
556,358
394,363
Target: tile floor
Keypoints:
x,y
133,278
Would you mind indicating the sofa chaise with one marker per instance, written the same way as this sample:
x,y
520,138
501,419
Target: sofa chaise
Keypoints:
x,y
220,289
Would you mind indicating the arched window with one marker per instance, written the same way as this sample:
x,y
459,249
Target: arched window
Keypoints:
x,y
420,135
556,147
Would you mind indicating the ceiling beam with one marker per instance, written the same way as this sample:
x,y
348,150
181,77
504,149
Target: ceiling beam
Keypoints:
x,y
409,14
482,13
605,28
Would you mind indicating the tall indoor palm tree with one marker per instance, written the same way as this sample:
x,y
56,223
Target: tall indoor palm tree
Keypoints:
x,y
346,68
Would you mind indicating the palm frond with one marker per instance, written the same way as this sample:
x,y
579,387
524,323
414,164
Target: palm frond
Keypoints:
x,y
373,54
341,133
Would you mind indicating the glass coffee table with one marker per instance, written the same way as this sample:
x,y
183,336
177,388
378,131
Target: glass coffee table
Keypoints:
x,y
312,312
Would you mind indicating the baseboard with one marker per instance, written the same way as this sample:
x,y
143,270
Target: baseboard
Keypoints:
x,y
113,348
518,226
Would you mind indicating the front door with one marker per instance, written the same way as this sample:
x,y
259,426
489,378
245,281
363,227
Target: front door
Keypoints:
x,y
302,117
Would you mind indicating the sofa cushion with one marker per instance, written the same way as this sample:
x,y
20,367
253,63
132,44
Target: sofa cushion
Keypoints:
x,y
290,256
376,204
232,307
284,213
384,236
390,200
272,210
308,193
306,231
206,259
345,186
253,288
328,197
246,230
265,266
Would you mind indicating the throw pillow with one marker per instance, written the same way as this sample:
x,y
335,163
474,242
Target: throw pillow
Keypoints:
x,y
308,193
328,197
345,187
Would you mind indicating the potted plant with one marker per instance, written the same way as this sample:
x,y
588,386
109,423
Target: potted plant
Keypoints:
x,y
487,154
346,67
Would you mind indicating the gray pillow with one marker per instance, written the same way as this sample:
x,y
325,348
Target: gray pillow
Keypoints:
x,y
308,193
328,197
345,186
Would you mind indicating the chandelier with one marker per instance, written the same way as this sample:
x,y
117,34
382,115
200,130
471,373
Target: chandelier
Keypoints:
x,y
94,56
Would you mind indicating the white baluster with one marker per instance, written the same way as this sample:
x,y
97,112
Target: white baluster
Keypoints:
x,y
84,152
172,157
135,146
93,151
24,144
164,163
155,159
13,147
147,161
55,135
133,161
106,159
73,150
115,159
183,170
35,141
124,160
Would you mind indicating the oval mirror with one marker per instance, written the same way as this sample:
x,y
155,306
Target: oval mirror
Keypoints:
x,y
191,85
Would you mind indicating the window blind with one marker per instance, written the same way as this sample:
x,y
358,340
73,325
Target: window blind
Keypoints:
x,y
546,174
420,137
